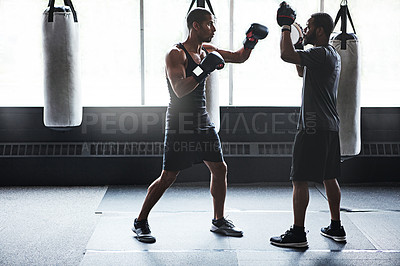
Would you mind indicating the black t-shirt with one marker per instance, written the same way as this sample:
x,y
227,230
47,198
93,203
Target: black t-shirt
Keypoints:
x,y
320,82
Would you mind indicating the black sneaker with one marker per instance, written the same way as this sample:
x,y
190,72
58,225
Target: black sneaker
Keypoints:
x,y
290,239
225,227
339,235
142,230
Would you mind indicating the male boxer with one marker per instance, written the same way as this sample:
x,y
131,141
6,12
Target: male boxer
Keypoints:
x,y
316,151
190,137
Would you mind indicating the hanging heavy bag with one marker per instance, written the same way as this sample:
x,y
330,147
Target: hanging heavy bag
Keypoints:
x,y
348,98
62,96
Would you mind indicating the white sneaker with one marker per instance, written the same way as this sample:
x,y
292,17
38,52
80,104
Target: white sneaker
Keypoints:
x,y
225,227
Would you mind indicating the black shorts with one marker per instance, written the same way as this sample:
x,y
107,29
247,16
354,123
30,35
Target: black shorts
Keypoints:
x,y
316,156
181,151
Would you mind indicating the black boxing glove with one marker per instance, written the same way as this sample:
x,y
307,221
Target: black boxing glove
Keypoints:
x,y
211,62
254,33
285,15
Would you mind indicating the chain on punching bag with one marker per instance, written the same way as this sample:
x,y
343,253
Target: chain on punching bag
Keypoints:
x,y
62,96
212,84
348,98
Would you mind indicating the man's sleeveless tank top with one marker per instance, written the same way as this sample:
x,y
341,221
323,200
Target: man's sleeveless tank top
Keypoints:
x,y
188,112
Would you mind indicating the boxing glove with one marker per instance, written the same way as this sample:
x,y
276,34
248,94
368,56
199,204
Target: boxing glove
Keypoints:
x,y
211,62
285,15
254,33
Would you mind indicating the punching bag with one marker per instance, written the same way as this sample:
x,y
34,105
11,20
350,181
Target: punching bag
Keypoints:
x,y
212,84
348,97
62,97
212,99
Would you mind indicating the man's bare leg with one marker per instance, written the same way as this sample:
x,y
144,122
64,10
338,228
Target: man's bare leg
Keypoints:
x,y
333,193
300,202
218,186
335,230
155,191
295,237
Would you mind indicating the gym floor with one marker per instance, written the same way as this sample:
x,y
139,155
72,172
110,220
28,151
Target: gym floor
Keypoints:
x,y
91,226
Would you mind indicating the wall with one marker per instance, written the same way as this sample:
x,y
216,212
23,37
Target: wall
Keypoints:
x,y
123,146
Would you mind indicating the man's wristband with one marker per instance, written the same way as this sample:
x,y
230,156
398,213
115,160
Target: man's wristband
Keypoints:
x,y
199,74
286,28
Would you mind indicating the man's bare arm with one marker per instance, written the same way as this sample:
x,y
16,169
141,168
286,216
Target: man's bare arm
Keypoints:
x,y
289,54
238,56
175,67
300,70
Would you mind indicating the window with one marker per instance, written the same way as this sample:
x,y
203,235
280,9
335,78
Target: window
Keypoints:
x,y
21,68
164,26
110,52
265,79
110,37
380,60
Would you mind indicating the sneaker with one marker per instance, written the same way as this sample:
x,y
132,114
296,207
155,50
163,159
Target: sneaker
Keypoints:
x,y
290,239
339,235
142,230
225,227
